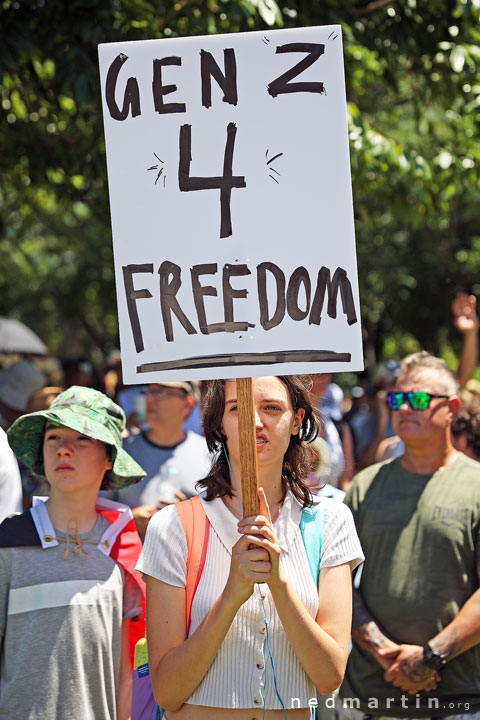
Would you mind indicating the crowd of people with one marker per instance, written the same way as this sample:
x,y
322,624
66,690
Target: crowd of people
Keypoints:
x,y
379,485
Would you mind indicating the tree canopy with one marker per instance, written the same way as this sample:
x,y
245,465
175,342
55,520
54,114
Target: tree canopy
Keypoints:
x,y
413,91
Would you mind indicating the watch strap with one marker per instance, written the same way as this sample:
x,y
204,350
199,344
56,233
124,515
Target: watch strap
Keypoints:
x,y
432,658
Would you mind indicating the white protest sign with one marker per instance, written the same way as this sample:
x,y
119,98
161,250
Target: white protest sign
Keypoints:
x,y
231,205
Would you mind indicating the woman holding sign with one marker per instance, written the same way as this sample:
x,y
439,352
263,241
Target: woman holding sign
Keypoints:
x,y
270,624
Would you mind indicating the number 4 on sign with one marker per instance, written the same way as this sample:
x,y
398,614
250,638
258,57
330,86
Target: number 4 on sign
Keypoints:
x,y
224,182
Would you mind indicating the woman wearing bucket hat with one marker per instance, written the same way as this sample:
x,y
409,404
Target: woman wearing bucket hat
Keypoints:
x,y
68,587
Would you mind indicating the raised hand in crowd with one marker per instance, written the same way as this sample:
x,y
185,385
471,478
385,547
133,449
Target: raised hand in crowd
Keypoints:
x,y
464,309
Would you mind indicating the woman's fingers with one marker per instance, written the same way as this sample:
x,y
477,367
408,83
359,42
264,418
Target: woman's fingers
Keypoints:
x,y
257,525
260,567
255,553
241,545
263,503
260,530
257,520
270,547
250,564
249,550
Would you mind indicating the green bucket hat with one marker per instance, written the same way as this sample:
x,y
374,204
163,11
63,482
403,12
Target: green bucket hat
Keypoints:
x,y
88,412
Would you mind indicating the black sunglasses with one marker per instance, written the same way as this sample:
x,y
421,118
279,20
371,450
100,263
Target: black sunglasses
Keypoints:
x,y
417,399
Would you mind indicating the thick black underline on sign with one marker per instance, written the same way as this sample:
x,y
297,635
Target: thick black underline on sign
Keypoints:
x,y
239,359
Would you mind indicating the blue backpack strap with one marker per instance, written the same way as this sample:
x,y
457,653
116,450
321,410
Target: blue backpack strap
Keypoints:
x,y
311,527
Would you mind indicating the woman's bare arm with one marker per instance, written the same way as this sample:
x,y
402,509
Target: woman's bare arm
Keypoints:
x,y
178,664
321,644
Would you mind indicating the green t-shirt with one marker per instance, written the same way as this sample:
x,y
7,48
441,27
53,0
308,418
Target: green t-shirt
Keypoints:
x,y
420,536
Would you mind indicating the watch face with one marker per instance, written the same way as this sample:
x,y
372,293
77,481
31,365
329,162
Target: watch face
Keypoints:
x,y
433,659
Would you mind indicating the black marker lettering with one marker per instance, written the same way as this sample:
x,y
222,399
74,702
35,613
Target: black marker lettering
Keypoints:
x,y
224,183
324,284
159,90
168,300
199,292
282,84
227,81
266,322
230,293
132,296
299,276
131,97
245,360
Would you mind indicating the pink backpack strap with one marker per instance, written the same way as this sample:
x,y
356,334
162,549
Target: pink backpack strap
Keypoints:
x,y
196,527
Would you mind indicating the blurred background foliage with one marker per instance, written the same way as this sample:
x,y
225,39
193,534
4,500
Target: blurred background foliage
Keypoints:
x,y
413,90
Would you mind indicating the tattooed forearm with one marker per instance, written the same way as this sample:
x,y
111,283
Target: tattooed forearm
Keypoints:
x,y
364,628
463,632
446,644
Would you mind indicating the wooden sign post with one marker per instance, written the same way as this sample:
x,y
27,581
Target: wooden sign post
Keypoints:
x,y
248,445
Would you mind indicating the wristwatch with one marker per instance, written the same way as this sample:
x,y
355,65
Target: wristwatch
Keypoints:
x,y
433,659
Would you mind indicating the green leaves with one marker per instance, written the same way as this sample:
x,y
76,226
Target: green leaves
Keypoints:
x,y
413,90
269,12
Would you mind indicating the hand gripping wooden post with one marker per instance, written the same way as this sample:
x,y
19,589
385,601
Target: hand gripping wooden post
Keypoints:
x,y
247,446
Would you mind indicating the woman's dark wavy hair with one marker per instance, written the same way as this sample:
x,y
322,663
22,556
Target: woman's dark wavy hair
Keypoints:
x,y
296,461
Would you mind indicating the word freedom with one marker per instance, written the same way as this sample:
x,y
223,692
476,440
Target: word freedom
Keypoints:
x,y
298,298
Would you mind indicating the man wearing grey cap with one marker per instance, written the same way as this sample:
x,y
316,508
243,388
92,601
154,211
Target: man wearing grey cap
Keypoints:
x,y
173,459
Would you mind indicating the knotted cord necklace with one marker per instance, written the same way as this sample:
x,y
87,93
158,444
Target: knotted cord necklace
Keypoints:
x,y
73,538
